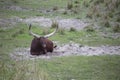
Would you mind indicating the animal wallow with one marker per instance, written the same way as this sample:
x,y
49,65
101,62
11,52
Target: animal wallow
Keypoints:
x,y
41,44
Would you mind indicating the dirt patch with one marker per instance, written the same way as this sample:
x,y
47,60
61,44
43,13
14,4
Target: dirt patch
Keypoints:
x,y
63,23
9,22
71,49
15,8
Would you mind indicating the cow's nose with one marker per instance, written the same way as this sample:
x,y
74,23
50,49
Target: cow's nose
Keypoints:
x,y
44,45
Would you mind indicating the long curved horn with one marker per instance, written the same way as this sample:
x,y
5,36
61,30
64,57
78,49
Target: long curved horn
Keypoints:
x,y
31,33
51,34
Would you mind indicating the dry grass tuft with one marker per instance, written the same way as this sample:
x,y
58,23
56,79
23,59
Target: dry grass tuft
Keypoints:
x,y
61,31
54,24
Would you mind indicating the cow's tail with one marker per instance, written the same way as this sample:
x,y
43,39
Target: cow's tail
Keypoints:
x,y
55,46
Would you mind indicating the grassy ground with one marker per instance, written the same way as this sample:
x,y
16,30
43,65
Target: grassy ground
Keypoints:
x,y
49,8
20,35
65,68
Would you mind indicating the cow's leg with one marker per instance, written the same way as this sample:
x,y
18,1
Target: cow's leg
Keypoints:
x,y
51,50
44,51
35,53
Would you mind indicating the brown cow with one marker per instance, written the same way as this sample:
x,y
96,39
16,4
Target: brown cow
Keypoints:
x,y
41,45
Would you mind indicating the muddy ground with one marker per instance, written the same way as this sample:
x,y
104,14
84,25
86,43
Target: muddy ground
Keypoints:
x,y
71,49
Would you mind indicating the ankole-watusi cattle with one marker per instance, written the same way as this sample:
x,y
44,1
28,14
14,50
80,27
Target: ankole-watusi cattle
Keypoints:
x,y
41,44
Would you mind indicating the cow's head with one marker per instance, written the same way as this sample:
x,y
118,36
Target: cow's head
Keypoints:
x,y
41,44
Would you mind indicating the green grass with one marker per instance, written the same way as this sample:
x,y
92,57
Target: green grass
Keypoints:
x,y
19,37
64,68
84,68
37,8
85,38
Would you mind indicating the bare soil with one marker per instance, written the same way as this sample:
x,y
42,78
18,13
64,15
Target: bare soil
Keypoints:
x,y
71,49
9,22
63,23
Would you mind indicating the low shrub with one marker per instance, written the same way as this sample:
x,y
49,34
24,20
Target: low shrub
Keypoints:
x,y
65,12
89,28
55,8
72,29
76,2
69,5
116,28
54,24
106,24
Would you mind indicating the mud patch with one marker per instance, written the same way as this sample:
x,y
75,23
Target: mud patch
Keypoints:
x,y
71,49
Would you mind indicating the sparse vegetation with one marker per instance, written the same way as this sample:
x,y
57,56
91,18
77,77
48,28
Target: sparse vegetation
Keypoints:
x,y
106,10
54,24
61,31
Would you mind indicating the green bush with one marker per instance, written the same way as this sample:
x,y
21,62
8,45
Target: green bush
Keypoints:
x,y
65,12
89,28
55,8
72,29
76,2
116,28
